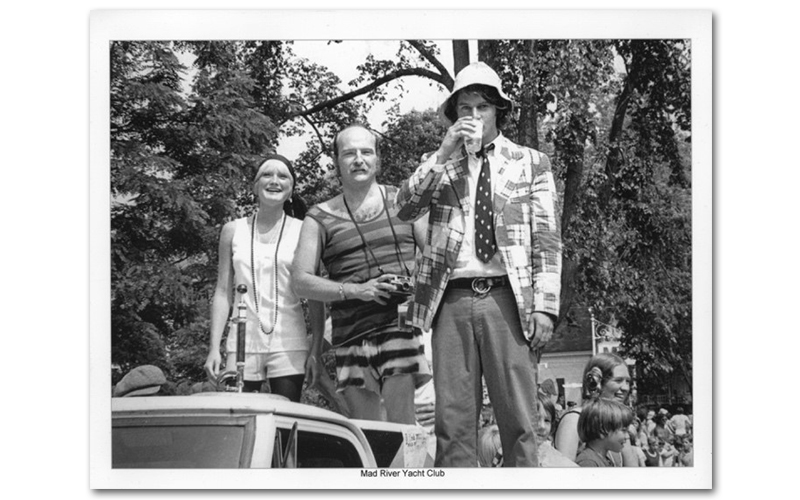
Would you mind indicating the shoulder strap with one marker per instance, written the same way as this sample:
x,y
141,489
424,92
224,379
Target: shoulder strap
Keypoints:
x,y
319,217
316,212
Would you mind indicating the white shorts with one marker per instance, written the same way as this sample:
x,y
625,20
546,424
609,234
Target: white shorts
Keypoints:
x,y
260,366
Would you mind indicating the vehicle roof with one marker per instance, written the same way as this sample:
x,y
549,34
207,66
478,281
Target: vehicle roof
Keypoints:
x,y
216,401
238,403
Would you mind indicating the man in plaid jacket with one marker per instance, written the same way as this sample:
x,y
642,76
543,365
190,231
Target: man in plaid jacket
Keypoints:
x,y
490,276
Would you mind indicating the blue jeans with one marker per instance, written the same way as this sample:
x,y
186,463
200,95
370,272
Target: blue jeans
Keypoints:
x,y
476,335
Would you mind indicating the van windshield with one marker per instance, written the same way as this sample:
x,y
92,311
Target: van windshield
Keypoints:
x,y
176,442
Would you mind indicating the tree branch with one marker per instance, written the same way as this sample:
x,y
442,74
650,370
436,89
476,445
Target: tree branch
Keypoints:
x,y
428,55
304,115
316,131
330,103
388,138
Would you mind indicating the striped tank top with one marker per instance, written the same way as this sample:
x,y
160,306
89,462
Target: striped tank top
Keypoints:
x,y
348,260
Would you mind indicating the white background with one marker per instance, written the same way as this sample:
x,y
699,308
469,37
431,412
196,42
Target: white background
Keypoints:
x,y
44,139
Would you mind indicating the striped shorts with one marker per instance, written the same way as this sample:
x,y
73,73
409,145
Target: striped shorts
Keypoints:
x,y
380,355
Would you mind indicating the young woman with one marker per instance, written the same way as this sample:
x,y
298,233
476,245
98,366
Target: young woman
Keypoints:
x,y
257,251
604,377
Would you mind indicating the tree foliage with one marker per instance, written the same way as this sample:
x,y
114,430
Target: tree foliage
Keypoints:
x,y
406,139
180,168
619,142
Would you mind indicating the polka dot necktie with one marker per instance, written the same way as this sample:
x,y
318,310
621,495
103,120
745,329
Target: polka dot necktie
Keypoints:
x,y
485,246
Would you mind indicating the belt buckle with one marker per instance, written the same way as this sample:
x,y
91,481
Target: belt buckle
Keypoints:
x,y
481,286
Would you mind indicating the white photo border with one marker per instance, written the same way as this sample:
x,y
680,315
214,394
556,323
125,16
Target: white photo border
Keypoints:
x,y
108,25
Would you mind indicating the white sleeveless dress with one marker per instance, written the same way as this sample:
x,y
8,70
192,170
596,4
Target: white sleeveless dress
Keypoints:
x,y
290,332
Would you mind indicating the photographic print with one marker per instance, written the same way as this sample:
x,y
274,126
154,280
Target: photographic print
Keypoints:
x,y
429,257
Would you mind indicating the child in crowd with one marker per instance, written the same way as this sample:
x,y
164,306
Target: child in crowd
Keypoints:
x,y
490,450
653,452
603,427
637,449
545,433
660,429
668,453
678,446
686,454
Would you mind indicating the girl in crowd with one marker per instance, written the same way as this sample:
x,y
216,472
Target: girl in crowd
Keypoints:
x,y
545,432
602,425
257,251
604,377
653,452
490,451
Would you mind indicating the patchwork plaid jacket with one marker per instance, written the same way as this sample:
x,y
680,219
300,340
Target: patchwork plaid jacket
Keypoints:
x,y
527,228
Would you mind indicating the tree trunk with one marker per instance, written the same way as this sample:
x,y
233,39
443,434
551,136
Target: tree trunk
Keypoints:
x,y
528,125
460,55
614,159
569,269
572,154
571,151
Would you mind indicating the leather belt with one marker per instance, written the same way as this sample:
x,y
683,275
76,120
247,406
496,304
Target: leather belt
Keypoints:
x,y
479,285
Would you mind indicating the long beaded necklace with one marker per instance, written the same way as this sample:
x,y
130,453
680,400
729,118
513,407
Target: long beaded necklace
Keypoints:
x,y
256,295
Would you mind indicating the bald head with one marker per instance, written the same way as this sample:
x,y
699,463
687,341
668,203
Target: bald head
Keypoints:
x,y
337,144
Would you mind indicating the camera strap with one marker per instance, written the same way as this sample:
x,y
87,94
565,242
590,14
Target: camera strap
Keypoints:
x,y
398,253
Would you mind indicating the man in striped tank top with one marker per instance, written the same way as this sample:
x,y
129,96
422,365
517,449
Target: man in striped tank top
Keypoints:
x,y
367,253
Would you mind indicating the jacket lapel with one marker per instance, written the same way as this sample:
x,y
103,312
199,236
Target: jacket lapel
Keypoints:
x,y
508,171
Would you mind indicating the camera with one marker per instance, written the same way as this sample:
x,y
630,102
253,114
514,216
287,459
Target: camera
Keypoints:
x,y
402,285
